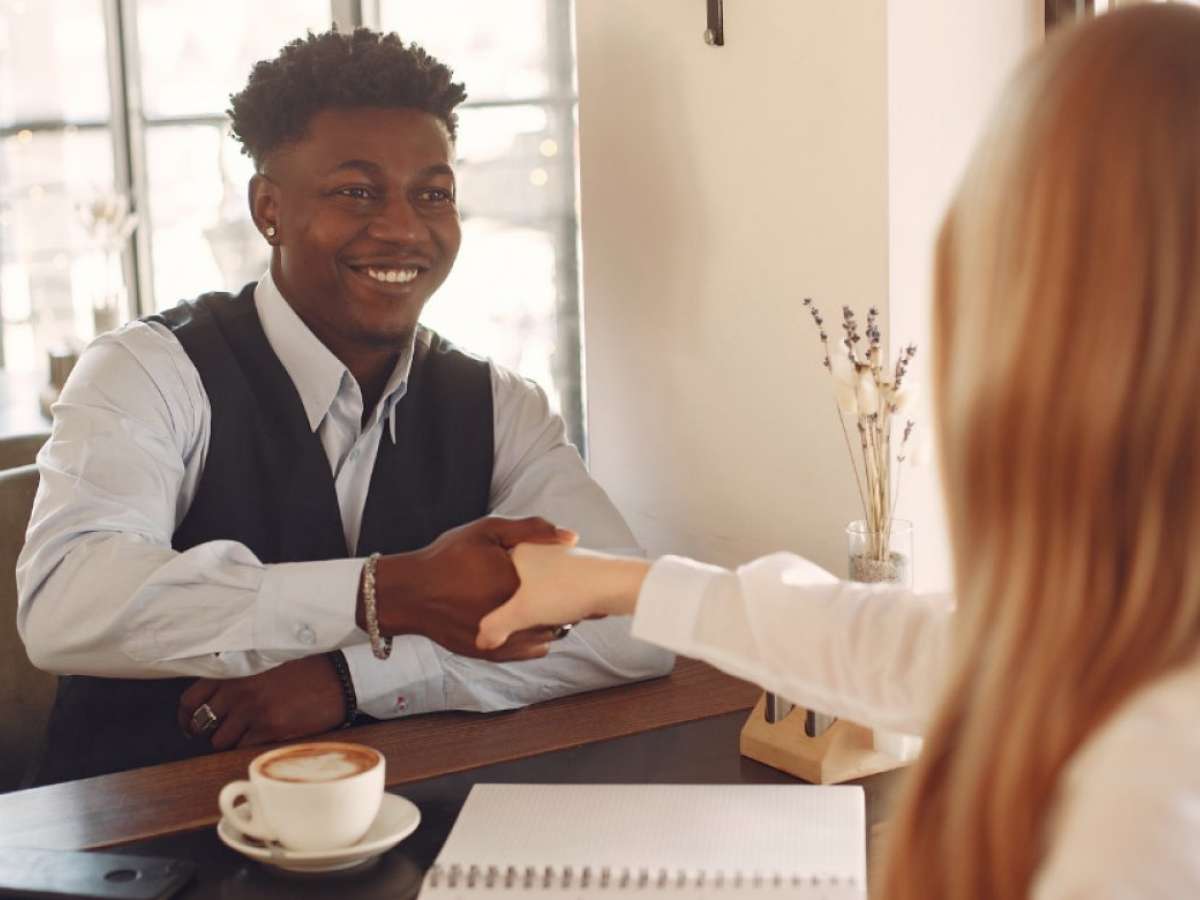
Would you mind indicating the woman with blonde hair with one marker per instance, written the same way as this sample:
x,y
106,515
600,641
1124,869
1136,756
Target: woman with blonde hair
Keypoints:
x,y
1060,701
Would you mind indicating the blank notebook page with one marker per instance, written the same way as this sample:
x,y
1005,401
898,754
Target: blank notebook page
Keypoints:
x,y
790,830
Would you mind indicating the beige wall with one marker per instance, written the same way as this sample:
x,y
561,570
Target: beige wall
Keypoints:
x,y
718,188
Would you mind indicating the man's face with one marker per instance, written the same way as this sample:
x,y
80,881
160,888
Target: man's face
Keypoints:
x,y
367,223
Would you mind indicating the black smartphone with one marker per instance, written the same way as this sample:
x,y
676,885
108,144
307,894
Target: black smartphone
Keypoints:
x,y
78,873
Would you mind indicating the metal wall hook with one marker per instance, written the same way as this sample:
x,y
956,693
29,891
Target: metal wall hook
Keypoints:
x,y
714,35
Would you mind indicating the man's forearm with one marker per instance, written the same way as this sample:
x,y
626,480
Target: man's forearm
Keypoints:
x,y
400,593
117,606
422,677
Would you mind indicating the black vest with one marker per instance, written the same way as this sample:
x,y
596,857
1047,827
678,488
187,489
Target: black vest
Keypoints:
x,y
267,484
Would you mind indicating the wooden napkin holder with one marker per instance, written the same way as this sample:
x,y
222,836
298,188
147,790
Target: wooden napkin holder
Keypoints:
x,y
844,752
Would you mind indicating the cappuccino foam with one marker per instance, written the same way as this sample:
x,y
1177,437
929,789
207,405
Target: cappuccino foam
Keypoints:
x,y
316,765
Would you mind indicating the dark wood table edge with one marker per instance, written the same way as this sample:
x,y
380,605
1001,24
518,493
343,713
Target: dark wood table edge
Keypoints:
x,y
693,691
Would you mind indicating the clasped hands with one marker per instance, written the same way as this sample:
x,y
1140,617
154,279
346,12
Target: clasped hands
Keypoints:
x,y
441,591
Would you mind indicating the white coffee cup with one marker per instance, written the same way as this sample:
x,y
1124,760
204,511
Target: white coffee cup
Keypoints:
x,y
316,796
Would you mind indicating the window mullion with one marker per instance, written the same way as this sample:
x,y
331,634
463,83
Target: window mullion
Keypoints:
x,y
346,14
369,14
569,339
129,145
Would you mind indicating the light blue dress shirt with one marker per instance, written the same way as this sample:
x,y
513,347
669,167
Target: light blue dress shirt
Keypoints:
x,y
103,593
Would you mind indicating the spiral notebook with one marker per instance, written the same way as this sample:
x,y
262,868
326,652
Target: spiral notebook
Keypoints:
x,y
683,840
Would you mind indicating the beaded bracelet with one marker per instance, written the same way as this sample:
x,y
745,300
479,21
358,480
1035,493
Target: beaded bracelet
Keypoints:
x,y
338,658
380,646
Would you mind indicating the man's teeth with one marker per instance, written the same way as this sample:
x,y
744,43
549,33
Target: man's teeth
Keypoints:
x,y
393,275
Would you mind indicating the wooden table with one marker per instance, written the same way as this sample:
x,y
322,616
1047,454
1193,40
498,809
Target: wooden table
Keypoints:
x,y
680,729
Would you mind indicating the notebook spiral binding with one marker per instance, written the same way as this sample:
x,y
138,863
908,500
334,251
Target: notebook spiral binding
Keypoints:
x,y
605,878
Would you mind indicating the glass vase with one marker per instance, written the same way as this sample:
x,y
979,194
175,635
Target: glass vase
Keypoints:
x,y
109,303
880,557
884,557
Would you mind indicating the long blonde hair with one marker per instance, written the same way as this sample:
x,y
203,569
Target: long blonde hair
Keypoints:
x,y
1067,357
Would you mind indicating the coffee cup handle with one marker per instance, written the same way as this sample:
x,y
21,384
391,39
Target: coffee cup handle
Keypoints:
x,y
244,818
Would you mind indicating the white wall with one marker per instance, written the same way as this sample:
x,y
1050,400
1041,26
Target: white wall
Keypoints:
x,y
718,188
948,60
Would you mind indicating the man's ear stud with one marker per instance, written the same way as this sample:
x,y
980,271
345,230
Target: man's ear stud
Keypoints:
x,y
270,231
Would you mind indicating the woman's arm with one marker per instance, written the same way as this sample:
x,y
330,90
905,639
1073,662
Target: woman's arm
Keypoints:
x,y
871,653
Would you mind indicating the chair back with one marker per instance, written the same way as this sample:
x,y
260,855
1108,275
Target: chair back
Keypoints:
x,y
26,693
21,449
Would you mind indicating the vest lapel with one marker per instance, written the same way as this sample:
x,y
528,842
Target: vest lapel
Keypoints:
x,y
257,413
437,474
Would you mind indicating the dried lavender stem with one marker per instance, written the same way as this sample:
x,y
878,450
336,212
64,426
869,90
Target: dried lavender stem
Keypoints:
x,y
871,452
864,439
895,503
901,456
899,478
883,469
868,506
862,497
890,511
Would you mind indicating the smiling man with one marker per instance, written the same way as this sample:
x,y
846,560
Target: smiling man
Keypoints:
x,y
222,476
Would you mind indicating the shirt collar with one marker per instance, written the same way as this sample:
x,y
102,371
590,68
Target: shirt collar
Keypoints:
x,y
317,374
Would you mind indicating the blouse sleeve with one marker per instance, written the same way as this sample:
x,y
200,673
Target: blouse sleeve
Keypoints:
x,y
874,654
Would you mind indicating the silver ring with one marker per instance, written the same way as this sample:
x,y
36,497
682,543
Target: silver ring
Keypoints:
x,y
204,719
561,632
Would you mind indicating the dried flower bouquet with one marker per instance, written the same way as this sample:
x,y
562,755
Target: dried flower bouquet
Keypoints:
x,y
110,223
875,397
108,220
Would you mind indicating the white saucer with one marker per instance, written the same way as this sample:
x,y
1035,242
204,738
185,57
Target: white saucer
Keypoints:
x,y
397,819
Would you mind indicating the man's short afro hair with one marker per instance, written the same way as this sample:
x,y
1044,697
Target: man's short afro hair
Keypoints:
x,y
338,70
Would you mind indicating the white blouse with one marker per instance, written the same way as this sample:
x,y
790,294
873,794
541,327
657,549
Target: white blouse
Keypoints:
x,y
1126,823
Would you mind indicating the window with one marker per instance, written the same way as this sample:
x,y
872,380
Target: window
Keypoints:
x,y
104,99
513,294
200,237
56,153
1058,11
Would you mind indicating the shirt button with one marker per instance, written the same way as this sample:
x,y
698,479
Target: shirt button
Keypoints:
x,y
354,453
305,635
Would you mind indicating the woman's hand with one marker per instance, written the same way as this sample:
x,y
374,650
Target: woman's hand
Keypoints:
x,y
561,585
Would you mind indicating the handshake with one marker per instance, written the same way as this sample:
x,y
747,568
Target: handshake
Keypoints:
x,y
444,590
497,589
